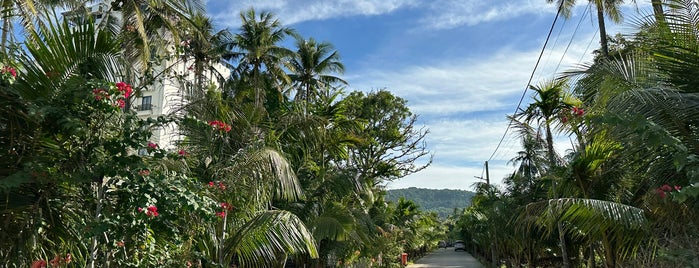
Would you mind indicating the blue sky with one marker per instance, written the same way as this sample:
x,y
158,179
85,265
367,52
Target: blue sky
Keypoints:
x,y
462,65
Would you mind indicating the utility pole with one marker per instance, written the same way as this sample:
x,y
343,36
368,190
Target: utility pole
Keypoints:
x,y
487,173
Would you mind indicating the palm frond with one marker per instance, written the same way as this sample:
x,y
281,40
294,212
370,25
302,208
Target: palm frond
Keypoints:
x,y
268,238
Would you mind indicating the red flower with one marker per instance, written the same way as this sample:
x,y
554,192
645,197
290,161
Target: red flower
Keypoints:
x,y
144,172
152,211
221,214
666,188
660,193
124,88
56,261
226,206
100,94
120,103
120,243
69,258
565,119
10,70
153,145
677,187
140,209
39,264
220,126
211,184
182,153
221,186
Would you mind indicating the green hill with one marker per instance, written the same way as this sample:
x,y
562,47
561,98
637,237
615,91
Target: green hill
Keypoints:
x,y
442,201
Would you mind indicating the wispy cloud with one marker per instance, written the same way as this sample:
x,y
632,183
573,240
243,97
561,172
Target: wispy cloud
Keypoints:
x,y
291,12
453,13
438,14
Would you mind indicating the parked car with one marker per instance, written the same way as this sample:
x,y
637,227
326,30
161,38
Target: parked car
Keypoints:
x,y
459,245
442,244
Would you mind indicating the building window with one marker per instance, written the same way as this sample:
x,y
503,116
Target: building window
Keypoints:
x,y
146,103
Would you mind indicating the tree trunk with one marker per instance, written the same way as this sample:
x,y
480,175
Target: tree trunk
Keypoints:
x,y
559,225
658,11
602,31
98,213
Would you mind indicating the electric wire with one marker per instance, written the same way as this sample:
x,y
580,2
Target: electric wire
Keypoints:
x,y
558,13
571,38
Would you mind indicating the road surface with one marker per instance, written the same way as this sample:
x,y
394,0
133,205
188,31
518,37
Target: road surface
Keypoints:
x,y
447,258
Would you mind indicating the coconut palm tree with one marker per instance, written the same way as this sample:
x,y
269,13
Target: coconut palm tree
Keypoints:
x,y
258,54
312,66
551,99
608,8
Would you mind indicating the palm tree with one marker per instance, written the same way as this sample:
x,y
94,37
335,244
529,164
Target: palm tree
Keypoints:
x,y
240,155
310,67
256,48
206,49
610,8
27,11
550,100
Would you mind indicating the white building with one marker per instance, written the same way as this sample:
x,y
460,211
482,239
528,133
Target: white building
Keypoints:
x,y
165,96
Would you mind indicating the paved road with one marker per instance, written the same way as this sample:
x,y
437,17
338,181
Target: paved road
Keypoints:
x,y
447,258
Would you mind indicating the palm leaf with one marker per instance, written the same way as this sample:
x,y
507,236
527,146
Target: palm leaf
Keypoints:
x,y
268,238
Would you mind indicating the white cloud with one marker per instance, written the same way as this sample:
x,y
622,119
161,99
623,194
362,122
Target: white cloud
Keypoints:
x,y
290,12
453,13
467,85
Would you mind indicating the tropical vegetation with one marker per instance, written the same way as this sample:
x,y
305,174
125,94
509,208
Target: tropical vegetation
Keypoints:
x,y
273,162
626,194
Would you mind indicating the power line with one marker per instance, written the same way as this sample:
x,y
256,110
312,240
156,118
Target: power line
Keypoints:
x,y
572,37
558,13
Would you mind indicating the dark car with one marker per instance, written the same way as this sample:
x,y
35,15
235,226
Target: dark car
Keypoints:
x,y
459,245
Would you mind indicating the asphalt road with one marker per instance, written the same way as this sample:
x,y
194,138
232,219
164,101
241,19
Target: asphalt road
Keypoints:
x,y
447,258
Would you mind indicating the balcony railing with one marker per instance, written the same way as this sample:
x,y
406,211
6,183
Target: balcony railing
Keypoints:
x,y
144,107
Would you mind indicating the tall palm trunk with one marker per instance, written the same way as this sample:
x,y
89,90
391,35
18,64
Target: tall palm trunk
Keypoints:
x,y
559,225
5,31
658,10
602,30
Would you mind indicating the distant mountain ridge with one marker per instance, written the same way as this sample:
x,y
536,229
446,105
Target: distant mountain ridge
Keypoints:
x,y
441,201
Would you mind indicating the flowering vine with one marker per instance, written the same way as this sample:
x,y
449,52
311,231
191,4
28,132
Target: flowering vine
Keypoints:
x,y
114,95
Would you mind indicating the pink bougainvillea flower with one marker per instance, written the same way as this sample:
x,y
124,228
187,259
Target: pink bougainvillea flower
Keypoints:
x,y
124,88
100,94
153,145
10,70
140,209
39,264
677,187
152,211
120,103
